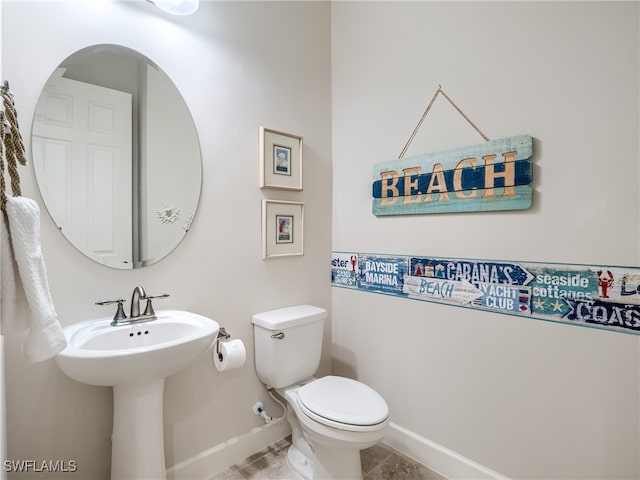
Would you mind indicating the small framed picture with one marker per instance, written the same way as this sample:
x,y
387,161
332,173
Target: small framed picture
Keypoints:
x,y
284,232
280,160
282,228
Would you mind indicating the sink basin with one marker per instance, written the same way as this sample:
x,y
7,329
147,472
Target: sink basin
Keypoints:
x,y
135,359
101,354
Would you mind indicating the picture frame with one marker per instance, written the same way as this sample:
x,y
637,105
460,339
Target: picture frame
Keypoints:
x,y
280,160
282,228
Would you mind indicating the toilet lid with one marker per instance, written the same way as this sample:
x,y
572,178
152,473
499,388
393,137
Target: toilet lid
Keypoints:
x,y
343,400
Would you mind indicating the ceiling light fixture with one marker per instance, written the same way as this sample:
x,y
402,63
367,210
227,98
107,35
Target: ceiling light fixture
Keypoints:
x,y
177,7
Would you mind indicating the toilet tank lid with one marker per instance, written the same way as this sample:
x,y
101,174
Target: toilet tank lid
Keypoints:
x,y
289,317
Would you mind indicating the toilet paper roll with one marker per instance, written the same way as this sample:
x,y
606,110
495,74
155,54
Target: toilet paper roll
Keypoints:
x,y
230,354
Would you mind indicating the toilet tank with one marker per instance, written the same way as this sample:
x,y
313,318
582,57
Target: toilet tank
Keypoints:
x,y
288,344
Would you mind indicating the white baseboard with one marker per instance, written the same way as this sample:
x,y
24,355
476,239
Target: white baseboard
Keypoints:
x,y
215,459
436,457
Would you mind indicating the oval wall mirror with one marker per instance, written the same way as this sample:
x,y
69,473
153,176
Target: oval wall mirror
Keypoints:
x,y
116,156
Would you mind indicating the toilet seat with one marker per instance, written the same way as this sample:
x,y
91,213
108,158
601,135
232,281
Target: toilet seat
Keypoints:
x,y
343,403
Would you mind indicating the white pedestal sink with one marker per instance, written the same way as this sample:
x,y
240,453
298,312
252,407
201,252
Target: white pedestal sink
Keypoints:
x,y
135,359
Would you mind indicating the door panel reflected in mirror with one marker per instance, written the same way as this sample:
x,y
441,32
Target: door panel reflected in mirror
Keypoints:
x,y
116,156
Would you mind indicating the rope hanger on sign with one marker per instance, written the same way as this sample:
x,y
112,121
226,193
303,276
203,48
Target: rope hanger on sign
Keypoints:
x,y
424,115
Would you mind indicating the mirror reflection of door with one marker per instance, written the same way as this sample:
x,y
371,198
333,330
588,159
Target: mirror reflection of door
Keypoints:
x,y
121,210
82,146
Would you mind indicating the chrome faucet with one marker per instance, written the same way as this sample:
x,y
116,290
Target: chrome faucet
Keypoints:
x,y
120,318
138,294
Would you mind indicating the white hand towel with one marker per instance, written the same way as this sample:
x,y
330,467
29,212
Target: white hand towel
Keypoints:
x,y
45,337
13,312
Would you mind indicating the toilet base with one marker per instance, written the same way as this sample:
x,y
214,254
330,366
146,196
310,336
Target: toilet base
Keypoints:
x,y
299,463
336,463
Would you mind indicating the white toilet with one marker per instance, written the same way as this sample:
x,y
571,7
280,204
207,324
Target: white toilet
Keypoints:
x,y
332,418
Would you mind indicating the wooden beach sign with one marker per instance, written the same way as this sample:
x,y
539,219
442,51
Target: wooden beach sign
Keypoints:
x,y
494,175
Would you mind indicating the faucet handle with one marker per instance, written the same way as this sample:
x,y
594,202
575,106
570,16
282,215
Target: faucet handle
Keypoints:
x,y
120,315
162,295
148,311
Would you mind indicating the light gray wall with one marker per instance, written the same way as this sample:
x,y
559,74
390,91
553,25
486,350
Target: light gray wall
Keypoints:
x,y
527,398
239,65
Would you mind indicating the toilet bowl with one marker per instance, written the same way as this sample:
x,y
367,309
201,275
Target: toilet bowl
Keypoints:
x,y
332,418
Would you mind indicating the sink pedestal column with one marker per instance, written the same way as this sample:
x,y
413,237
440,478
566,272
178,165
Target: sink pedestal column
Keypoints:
x,y
138,435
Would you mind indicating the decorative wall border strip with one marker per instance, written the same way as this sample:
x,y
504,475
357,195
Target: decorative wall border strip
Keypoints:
x,y
589,296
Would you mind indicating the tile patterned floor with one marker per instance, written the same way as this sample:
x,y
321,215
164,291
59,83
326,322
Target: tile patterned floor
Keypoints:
x,y
379,462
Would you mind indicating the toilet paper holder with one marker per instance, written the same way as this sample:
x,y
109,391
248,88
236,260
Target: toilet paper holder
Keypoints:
x,y
222,335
